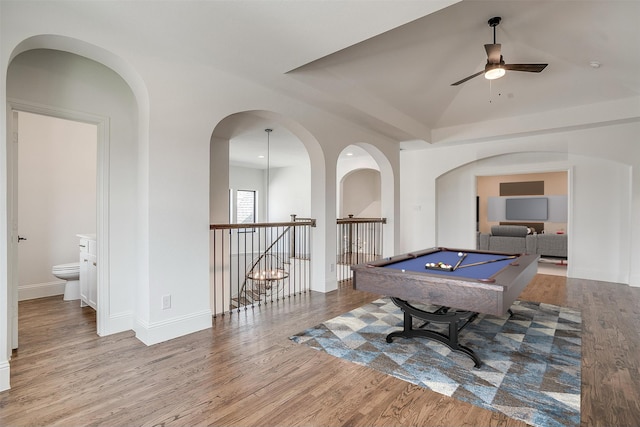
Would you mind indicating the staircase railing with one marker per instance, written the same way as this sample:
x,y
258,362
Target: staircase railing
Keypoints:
x,y
359,240
259,263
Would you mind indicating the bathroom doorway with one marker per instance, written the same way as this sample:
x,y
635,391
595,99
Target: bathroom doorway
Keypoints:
x,y
57,197
54,179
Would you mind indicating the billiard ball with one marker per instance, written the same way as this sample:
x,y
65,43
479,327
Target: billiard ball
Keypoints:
x,y
460,254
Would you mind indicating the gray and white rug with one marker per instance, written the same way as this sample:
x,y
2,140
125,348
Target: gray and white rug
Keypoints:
x,y
530,362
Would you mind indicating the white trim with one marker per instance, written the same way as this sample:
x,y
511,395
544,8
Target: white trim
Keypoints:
x,y
102,227
119,322
102,194
41,290
4,376
12,245
154,333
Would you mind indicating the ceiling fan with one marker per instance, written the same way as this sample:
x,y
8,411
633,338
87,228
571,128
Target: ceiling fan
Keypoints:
x,y
496,67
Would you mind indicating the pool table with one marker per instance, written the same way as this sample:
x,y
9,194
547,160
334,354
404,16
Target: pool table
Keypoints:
x,y
470,283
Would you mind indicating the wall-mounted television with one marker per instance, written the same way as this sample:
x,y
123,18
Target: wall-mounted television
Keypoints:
x,y
527,209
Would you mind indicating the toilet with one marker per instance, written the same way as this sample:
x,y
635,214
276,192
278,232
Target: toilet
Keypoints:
x,y
71,273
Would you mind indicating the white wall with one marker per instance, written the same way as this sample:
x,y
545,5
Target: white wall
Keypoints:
x,y
289,192
56,193
604,194
360,194
241,178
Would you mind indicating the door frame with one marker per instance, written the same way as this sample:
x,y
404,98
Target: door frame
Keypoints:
x,y
102,206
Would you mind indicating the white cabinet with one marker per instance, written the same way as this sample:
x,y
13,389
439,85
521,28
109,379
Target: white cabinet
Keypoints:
x,y
88,272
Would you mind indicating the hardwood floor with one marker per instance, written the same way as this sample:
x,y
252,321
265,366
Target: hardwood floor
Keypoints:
x,y
246,372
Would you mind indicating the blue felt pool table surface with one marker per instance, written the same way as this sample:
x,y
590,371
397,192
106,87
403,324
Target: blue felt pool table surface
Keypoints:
x,y
478,272
488,288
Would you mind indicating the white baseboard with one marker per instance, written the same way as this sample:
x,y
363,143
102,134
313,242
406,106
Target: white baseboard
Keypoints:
x,y
4,376
154,333
119,322
41,290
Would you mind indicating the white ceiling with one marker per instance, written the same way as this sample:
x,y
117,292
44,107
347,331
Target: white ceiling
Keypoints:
x,y
402,78
249,145
388,65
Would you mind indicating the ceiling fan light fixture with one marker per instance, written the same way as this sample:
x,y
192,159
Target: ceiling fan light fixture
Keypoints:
x,y
496,67
494,72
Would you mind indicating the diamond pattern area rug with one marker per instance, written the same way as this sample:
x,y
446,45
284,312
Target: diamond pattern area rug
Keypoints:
x,y
530,361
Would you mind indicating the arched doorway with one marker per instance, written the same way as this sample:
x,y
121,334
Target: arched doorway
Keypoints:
x,y
260,172
39,81
366,182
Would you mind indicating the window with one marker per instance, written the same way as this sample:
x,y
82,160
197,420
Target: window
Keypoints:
x,y
245,207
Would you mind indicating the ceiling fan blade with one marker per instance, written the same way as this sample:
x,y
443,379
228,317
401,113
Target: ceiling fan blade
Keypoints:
x,y
467,78
493,53
532,68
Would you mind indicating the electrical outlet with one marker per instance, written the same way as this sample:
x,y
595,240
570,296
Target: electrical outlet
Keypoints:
x,y
166,302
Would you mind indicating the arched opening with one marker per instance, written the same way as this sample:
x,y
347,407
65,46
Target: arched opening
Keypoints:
x,y
456,193
365,199
242,153
46,77
260,172
358,162
359,183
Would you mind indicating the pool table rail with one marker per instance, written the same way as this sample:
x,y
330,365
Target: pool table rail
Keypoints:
x,y
447,290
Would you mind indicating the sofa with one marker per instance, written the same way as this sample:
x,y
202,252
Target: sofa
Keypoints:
x,y
520,239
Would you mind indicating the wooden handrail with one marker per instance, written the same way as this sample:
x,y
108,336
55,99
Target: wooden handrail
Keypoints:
x,y
352,220
297,223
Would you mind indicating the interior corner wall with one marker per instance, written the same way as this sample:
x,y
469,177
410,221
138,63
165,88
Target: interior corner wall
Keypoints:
x,y
41,77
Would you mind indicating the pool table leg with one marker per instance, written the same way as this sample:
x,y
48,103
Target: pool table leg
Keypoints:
x,y
455,319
